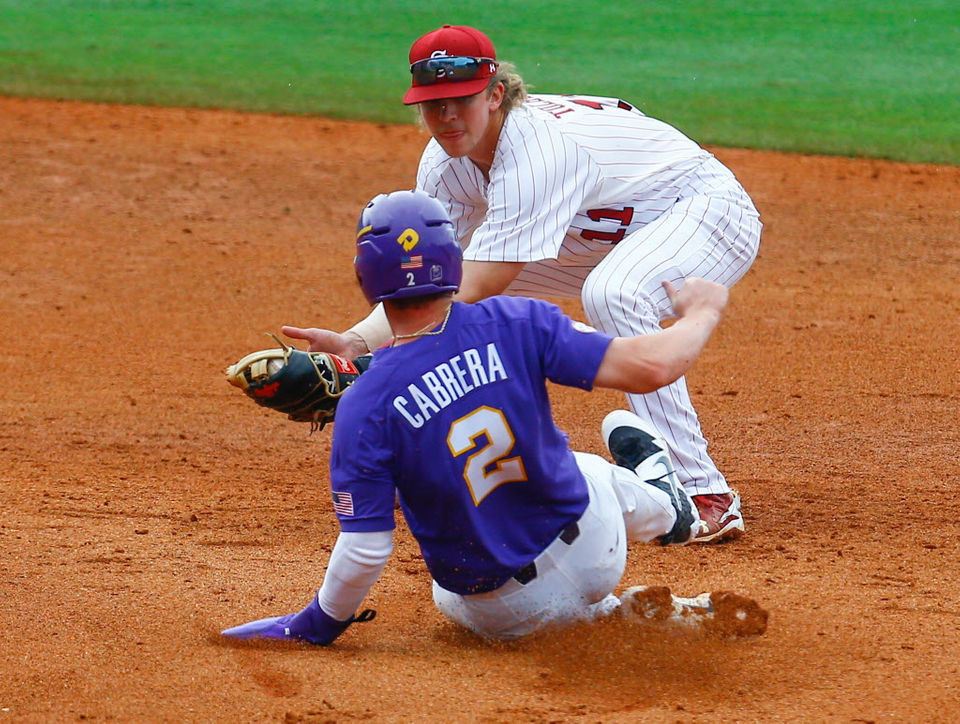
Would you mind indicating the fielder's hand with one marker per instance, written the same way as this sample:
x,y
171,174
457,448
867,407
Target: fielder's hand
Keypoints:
x,y
348,345
697,295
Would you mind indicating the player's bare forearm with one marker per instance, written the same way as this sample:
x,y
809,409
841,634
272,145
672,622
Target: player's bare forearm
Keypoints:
x,y
482,279
373,331
345,345
649,362
365,336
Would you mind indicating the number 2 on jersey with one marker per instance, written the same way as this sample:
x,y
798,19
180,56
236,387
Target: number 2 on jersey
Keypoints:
x,y
488,466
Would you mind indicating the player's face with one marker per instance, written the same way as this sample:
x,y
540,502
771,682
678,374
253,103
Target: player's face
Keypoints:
x,y
465,126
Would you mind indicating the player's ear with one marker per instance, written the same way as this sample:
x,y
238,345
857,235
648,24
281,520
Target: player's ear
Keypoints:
x,y
495,96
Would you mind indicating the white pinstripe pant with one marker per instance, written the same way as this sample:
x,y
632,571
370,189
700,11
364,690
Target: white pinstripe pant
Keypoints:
x,y
714,236
703,236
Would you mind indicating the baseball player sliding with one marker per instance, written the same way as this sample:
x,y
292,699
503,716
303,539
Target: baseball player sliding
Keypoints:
x,y
575,195
453,419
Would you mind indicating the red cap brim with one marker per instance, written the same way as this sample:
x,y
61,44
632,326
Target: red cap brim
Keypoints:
x,y
438,91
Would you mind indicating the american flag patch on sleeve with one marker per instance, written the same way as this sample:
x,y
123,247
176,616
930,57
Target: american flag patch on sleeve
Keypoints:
x,y
343,503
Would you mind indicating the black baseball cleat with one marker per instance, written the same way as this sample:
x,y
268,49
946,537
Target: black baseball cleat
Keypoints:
x,y
637,445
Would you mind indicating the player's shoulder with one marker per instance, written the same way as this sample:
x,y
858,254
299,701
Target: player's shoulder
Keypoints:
x,y
353,415
570,106
526,119
504,302
513,310
560,120
528,322
365,392
527,134
361,408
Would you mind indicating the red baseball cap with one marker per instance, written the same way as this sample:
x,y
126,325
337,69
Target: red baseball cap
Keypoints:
x,y
450,62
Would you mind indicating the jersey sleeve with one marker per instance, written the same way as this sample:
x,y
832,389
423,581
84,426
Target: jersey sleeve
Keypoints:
x,y
538,183
573,351
361,467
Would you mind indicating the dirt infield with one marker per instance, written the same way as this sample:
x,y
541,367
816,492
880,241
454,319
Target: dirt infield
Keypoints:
x,y
145,504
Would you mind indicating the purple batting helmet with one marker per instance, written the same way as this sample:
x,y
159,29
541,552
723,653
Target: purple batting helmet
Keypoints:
x,y
406,247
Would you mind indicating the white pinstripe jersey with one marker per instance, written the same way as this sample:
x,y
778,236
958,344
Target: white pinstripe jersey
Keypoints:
x,y
571,176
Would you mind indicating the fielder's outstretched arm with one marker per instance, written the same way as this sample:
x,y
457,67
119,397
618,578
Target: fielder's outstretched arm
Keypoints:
x,y
365,336
482,279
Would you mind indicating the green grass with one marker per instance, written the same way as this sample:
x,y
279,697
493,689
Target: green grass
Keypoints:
x,y
861,78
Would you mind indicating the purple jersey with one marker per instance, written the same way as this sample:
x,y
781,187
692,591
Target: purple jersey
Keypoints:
x,y
460,424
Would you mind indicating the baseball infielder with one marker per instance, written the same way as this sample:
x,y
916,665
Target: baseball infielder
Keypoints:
x,y
569,196
453,418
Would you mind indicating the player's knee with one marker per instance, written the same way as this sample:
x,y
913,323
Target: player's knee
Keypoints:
x,y
602,297
609,305
591,292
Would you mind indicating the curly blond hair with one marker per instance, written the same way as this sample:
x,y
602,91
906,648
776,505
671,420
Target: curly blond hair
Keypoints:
x,y
514,88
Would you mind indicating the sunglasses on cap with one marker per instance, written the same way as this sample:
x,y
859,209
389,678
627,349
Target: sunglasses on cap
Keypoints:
x,y
451,69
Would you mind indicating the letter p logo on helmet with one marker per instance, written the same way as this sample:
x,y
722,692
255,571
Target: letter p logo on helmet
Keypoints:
x,y
408,239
